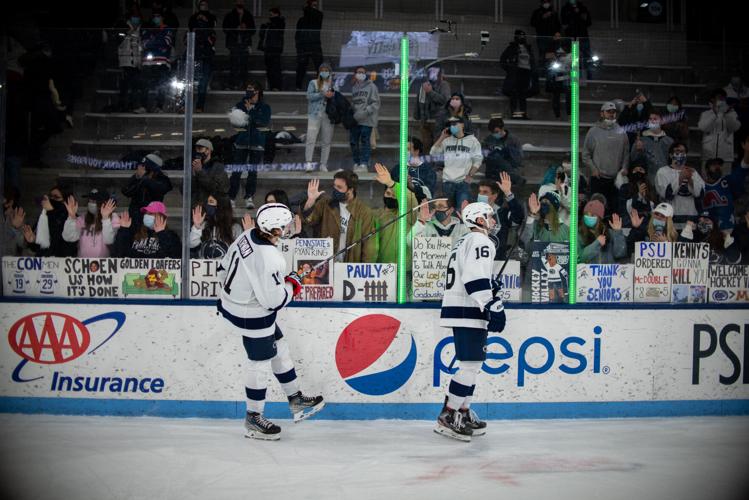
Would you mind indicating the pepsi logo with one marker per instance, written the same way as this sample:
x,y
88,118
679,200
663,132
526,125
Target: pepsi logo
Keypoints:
x,y
49,338
366,341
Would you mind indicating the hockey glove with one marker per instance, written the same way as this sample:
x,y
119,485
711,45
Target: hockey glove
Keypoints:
x,y
496,286
497,317
296,283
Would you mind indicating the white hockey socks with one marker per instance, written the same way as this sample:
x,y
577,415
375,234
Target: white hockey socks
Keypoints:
x,y
283,368
256,384
463,383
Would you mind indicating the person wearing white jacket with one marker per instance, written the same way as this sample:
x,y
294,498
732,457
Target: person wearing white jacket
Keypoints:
x,y
718,125
679,185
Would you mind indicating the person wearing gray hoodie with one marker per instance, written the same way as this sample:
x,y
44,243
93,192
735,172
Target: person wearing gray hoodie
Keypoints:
x,y
365,101
605,153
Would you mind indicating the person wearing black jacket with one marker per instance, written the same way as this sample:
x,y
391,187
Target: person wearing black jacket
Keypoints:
x,y
47,240
239,28
546,21
271,42
576,21
518,62
635,116
507,210
307,38
203,23
151,240
148,184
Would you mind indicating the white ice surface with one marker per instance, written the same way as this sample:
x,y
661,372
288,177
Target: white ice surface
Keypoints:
x,y
105,458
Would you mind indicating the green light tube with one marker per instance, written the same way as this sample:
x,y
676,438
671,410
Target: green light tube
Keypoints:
x,y
403,175
574,156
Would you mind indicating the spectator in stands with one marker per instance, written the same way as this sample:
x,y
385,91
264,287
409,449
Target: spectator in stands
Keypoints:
x,y
718,125
147,184
158,40
741,234
543,222
599,243
278,196
636,193
271,43
130,55
456,106
724,248
319,91
213,228
605,152
546,21
93,231
208,175
365,100
462,157
736,91
519,65
675,122
635,115
295,229
651,147
170,18
387,247
152,239
14,220
422,179
659,227
239,28
679,184
558,81
507,209
203,23
47,240
440,220
251,116
344,217
307,39
576,20
503,152
434,94
721,190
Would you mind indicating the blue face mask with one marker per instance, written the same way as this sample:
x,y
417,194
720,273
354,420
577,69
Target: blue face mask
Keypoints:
x,y
157,21
210,210
441,215
659,225
640,106
454,129
149,220
545,207
497,135
324,75
680,159
339,196
590,221
482,198
135,21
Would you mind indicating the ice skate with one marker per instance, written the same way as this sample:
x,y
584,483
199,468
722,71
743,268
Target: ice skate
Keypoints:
x,y
303,407
473,421
450,423
259,427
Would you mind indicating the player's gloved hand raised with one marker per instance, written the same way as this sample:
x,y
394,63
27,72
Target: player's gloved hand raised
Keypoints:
x,y
497,318
296,282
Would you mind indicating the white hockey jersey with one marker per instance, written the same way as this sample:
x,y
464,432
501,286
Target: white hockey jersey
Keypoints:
x,y
253,288
468,287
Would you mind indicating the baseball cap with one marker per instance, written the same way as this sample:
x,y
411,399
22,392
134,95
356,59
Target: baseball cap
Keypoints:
x,y
664,209
152,161
155,207
205,143
608,105
97,196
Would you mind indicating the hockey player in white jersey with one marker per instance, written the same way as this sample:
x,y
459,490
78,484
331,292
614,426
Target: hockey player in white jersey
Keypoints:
x,y
255,288
470,308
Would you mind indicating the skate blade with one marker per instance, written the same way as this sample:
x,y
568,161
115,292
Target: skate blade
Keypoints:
x,y
451,434
479,432
302,415
262,437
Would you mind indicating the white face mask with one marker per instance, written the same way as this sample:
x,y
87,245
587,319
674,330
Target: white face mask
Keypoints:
x,y
361,76
609,121
93,208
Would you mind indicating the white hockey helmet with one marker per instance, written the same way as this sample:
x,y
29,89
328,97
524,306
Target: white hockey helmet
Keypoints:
x,y
273,216
473,211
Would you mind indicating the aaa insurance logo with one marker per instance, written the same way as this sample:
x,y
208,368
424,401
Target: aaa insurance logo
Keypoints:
x,y
372,358
51,338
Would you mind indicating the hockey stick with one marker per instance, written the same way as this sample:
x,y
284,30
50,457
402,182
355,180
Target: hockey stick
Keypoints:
x,y
367,236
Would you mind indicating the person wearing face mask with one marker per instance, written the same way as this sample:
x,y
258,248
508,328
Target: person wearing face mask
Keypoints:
x,y
14,223
736,91
319,92
387,246
341,216
634,118
718,125
93,231
519,64
558,80
503,152
576,20
605,152
270,41
636,193
434,94
422,179
307,40
130,56
679,185
208,175
659,227
239,28
456,106
152,239
462,156
600,243
651,147
546,21
675,122
203,24
365,101
721,190
724,249
543,222
158,40
439,220
508,211
46,239
147,184
213,228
